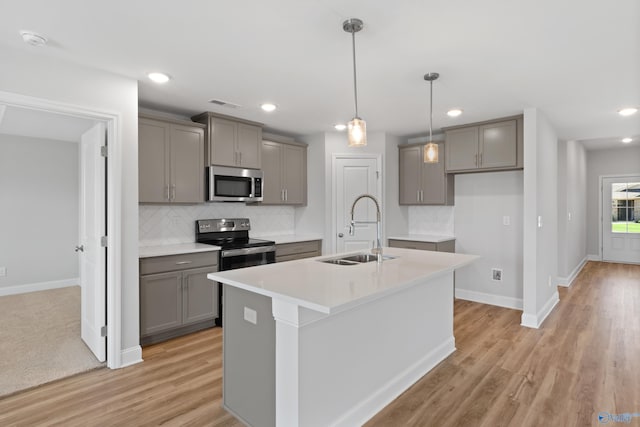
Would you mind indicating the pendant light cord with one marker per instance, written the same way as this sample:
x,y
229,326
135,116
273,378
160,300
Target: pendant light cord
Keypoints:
x,y
355,82
431,111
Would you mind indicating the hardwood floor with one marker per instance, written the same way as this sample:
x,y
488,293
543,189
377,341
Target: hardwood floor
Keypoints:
x,y
583,360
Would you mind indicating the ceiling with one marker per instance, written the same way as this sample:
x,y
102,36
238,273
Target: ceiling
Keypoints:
x,y
42,124
577,61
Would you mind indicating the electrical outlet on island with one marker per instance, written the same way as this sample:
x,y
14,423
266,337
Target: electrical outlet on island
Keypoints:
x,y
496,274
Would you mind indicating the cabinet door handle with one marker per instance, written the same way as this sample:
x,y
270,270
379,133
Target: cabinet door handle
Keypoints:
x,y
173,192
183,262
282,194
480,159
286,195
235,157
240,154
168,195
475,160
418,196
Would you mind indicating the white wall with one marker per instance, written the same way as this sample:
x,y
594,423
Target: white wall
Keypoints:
x,y
166,225
39,219
572,209
436,220
482,200
540,240
621,161
311,218
68,83
395,217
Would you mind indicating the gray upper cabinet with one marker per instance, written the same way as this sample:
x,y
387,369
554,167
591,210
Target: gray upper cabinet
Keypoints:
x,y
232,142
285,173
170,161
493,145
423,183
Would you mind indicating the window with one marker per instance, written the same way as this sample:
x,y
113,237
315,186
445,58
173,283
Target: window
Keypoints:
x,y
625,207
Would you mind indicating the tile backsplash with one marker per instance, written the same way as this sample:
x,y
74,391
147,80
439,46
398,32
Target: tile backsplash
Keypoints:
x,y
165,225
431,220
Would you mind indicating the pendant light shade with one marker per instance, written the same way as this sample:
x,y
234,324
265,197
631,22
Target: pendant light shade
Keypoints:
x,y
357,128
357,132
431,149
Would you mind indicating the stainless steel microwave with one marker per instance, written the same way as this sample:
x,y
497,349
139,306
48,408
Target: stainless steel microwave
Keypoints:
x,y
234,184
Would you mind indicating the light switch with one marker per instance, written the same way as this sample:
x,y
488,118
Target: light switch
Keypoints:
x,y
539,221
250,315
3,271
506,220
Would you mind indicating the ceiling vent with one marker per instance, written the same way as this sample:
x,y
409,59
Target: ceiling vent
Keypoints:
x,y
224,103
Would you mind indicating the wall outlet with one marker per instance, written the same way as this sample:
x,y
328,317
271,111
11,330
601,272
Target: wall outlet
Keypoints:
x,y
496,274
250,315
3,271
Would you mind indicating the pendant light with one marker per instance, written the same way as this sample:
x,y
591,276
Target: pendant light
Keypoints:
x,y
431,149
357,128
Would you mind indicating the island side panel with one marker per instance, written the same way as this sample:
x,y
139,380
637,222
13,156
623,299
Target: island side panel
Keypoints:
x,y
352,364
249,358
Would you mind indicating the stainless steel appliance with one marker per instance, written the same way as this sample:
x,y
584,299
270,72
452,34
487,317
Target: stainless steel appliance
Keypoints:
x,y
234,184
238,250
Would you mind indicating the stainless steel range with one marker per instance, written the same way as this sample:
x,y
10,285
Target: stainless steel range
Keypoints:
x,y
238,250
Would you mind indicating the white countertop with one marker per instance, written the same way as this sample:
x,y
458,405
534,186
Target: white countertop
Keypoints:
x,y
182,248
429,238
330,288
291,238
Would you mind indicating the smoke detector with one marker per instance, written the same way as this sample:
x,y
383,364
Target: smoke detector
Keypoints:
x,y
34,39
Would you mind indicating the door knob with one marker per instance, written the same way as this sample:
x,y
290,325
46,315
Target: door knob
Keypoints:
x,y
79,248
340,235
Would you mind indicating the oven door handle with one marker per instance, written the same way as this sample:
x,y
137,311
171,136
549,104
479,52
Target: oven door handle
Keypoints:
x,y
248,251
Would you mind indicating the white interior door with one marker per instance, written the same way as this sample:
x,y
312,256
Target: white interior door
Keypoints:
x,y
621,219
353,177
92,228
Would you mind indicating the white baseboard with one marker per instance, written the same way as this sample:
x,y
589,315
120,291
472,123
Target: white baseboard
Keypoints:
x,y
535,320
382,397
492,299
42,286
567,281
592,257
130,356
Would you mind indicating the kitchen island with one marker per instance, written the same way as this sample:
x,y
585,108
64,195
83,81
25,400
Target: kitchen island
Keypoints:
x,y
309,343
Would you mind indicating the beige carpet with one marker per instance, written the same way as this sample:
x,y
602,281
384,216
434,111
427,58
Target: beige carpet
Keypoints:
x,y
40,339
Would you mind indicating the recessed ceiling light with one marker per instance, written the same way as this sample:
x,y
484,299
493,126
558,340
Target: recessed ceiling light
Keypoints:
x,y
454,112
34,39
340,126
627,140
627,111
159,78
268,107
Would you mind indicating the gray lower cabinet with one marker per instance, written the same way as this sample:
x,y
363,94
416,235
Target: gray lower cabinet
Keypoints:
x,y
170,161
423,183
486,146
298,250
175,295
446,246
285,173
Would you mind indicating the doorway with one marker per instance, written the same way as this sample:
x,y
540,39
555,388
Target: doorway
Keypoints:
x,y
621,219
108,297
354,175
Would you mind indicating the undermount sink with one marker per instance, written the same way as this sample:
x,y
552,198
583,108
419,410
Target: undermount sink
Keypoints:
x,y
354,259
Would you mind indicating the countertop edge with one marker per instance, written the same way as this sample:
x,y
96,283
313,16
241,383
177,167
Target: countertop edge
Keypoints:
x,y
428,238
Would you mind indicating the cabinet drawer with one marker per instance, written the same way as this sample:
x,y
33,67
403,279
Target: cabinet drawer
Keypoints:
x,y
163,264
297,248
410,244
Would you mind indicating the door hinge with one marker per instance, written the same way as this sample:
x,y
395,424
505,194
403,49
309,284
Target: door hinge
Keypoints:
x,y
103,241
104,151
103,331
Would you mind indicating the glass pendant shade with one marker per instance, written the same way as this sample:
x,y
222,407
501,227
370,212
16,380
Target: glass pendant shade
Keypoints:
x,y
431,153
357,132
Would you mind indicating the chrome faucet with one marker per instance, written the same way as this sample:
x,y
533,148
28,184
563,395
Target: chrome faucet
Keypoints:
x,y
378,249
